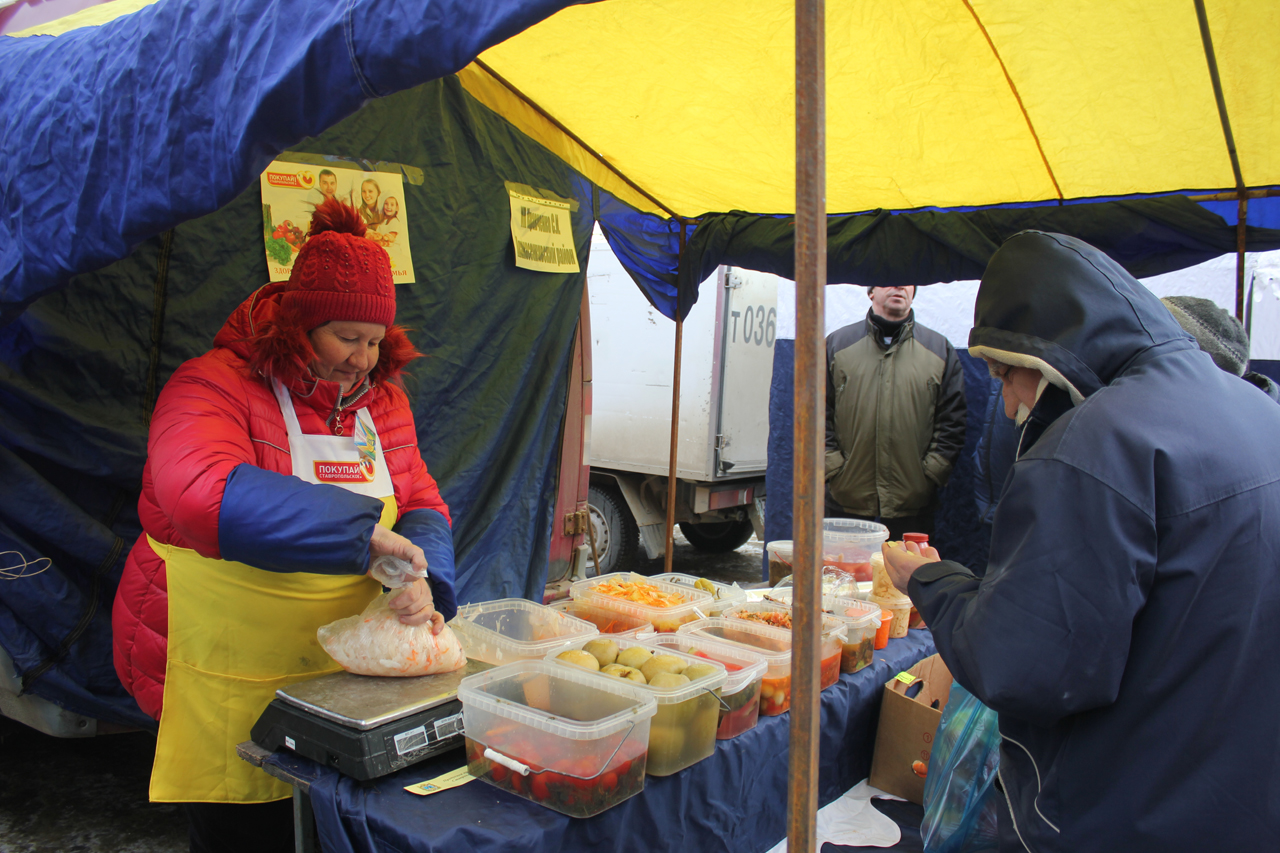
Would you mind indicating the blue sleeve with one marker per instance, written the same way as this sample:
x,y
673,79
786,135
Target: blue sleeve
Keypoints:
x,y
279,523
429,530
1046,632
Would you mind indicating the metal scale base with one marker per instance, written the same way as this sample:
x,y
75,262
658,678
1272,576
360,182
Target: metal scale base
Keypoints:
x,y
363,726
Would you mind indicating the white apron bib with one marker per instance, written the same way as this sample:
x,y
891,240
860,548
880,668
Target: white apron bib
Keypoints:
x,y
353,462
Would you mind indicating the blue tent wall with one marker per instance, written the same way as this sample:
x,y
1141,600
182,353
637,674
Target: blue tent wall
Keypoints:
x,y
80,368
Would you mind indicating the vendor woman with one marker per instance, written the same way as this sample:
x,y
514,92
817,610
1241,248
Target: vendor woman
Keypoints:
x,y
280,463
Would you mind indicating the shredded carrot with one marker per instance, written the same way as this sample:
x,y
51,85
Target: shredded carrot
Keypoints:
x,y
640,593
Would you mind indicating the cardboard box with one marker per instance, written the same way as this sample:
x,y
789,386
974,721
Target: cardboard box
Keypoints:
x,y
907,727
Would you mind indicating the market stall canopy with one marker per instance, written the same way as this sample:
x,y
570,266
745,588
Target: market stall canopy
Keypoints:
x,y
670,106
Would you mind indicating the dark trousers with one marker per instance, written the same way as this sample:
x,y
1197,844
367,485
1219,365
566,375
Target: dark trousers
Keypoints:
x,y
240,827
922,523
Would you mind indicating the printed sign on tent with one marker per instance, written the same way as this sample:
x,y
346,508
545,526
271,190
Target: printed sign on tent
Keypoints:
x,y
542,232
291,192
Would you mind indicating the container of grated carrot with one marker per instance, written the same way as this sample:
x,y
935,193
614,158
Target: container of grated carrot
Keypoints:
x,y
665,606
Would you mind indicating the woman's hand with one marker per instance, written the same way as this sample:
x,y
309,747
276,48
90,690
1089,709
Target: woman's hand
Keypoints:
x,y
416,606
901,563
387,543
414,603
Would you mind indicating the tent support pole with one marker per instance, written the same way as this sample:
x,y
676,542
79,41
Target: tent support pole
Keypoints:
x,y
1206,38
810,425
672,481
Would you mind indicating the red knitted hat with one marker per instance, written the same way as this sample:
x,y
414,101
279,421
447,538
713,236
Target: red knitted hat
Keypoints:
x,y
339,274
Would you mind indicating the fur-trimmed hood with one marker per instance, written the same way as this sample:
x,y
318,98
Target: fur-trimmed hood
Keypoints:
x,y
284,352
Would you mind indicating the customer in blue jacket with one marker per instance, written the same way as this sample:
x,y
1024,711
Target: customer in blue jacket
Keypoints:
x,y
1127,625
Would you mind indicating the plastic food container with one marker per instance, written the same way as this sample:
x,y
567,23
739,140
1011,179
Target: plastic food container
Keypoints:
x,y
848,543
861,619
780,556
774,645
833,634
882,631
561,737
834,582
740,696
683,731
513,629
610,623
900,607
726,595
695,602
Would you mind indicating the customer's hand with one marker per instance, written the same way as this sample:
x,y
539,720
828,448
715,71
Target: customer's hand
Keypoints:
x,y
901,562
416,606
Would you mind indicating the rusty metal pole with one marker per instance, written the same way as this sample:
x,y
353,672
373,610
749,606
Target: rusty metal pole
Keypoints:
x,y
675,428
810,419
1242,216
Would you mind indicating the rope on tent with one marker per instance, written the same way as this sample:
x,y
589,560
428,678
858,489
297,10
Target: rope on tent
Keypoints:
x,y
1017,97
161,293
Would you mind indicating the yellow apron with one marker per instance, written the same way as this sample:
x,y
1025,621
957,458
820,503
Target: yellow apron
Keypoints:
x,y
236,635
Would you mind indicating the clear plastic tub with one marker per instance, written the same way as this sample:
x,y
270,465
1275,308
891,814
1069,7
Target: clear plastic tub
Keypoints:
x,y
900,607
848,543
725,596
833,634
684,728
694,603
561,737
780,553
513,629
834,582
861,619
740,696
610,623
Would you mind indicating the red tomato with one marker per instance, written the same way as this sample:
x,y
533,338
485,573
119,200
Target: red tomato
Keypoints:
x,y
498,773
609,781
538,786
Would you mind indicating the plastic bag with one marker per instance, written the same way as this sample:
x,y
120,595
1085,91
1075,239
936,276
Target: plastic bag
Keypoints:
x,y
959,789
377,643
393,572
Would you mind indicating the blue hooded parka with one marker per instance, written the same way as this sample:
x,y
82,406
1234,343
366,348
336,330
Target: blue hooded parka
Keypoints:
x,y
1127,626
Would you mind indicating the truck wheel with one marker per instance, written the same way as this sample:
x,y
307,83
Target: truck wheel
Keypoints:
x,y
617,537
717,536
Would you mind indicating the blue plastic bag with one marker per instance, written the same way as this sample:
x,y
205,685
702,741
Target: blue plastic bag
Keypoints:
x,y
959,788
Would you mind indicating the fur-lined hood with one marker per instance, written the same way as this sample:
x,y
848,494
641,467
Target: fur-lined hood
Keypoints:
x,y
284,352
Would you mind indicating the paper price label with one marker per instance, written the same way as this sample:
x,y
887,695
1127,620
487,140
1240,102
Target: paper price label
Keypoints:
x,y
906,678
452,779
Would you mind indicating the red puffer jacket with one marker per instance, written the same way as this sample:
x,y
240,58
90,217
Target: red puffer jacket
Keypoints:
x,y
217,412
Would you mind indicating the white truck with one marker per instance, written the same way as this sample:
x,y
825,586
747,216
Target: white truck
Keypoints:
x,y
726,366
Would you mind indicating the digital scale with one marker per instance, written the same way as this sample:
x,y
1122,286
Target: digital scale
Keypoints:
x,y
366,726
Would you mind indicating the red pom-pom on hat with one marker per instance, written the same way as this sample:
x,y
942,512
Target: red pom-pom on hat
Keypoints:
x,y
339,274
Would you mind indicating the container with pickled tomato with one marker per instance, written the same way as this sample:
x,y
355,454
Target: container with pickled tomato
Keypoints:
x,y
776,615
685,687
558,736
740,696
666,606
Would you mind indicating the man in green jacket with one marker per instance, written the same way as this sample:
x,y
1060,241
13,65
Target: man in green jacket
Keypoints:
x,y
895,416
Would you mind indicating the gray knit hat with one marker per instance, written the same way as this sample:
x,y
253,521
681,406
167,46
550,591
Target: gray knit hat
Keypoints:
x,y
1217,332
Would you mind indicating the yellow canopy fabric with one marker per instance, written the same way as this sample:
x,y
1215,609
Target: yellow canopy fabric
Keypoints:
x,y
928,103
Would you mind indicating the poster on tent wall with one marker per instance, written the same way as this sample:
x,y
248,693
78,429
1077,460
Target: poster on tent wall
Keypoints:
x,y
291,191
541,230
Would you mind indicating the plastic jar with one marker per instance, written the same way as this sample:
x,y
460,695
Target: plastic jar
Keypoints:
x,y
900,607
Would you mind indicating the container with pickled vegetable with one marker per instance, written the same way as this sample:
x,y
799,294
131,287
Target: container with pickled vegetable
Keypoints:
x,y
560,737
665,606
723,595
686,689
608,620
512,629
861,619
772,644
775,615
740,696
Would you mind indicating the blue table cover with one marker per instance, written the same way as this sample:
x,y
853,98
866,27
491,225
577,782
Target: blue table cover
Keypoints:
x,y
735,801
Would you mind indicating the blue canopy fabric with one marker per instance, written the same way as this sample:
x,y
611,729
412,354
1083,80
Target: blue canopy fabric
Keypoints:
x,y
116,133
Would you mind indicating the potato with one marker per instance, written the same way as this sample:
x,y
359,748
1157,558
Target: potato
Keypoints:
x,y
604,651
578,657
